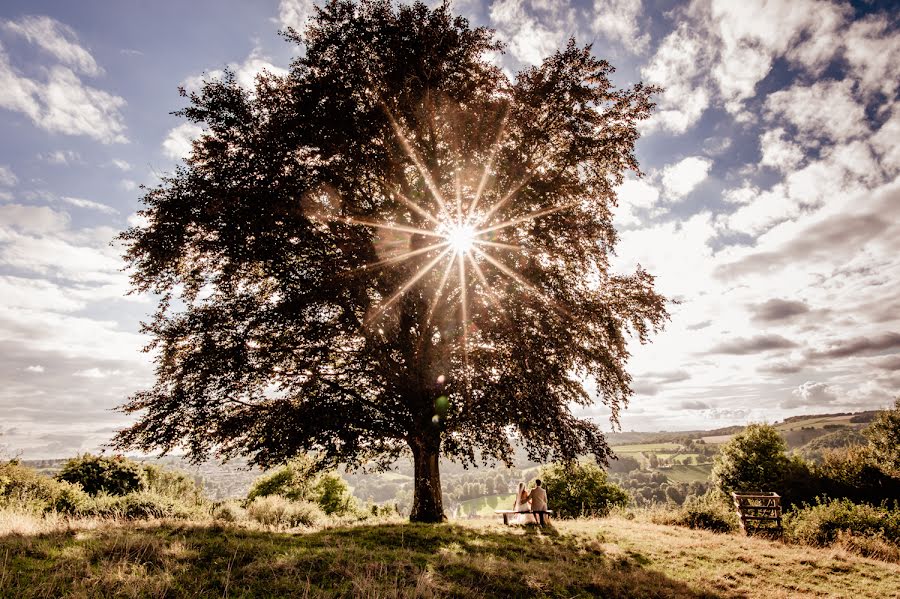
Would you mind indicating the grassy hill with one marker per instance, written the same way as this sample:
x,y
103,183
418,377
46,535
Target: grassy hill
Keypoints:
x,y
613,557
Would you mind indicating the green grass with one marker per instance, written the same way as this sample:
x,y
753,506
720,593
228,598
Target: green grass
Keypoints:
x,y
614,557
683,473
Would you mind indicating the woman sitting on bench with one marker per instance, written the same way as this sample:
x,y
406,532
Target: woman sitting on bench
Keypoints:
x,y
523,506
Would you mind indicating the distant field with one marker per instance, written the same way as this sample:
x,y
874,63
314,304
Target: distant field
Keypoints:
x,y
817,422
717,439
649,447
687,474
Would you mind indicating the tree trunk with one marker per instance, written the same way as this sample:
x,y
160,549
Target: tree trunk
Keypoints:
x,y
428,505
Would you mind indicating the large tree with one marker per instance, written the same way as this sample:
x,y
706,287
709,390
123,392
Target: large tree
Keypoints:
x,y
393,248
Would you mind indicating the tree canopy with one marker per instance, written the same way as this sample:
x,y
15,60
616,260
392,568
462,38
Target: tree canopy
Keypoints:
x,y
394,248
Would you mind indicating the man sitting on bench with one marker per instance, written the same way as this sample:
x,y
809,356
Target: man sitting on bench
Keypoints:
x,y
538,498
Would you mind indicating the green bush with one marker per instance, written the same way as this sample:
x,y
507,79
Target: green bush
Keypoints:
x,y
138,506
822,524
274,510
173,483
577,490
115,475
705,512
229,511
299,480
23,487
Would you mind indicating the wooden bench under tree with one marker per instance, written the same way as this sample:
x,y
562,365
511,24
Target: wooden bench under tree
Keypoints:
x,y
759,512
541,514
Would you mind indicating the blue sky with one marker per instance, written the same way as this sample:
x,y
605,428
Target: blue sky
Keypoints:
x,y
770,204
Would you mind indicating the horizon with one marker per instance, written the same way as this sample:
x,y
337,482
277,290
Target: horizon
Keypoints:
x,y
770,205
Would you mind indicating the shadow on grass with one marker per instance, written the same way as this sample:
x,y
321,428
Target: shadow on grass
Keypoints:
x,y
388,560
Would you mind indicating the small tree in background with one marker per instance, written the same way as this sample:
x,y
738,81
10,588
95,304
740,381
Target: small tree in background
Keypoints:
x,y
576,490
884,439
753,460
116,475
300,479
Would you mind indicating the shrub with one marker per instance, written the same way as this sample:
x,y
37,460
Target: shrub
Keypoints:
x,y
24,487
229,511
274,510
138,506
580,490
69,498
884,438
173,483
706,512
115,475
823,523
299,480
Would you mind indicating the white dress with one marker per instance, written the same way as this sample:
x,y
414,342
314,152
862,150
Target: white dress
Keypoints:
x,y
522,507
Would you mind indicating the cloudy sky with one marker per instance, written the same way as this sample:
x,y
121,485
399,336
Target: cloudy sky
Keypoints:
x,y
770,205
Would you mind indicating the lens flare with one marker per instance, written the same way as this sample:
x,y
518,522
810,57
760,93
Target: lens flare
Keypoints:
x,y
461,237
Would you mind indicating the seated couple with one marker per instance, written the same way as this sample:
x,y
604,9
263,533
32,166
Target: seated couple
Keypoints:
x,y
535,501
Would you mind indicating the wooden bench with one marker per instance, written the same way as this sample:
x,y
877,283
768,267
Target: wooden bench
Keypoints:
x,y
540,513
759,512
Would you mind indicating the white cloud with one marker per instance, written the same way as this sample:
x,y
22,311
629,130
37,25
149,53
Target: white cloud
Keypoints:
x,y
617,20
128,184
32,219
96,373
778,152
38,240
634,194
679,65
720,50
683,177
885,143
810,394
60,157
7,177
871,47
89,205
529,37
178,142
295,13
57,39
35,368
122,165
61,103
245,72
825,110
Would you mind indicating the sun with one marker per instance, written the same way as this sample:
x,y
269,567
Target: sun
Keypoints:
x,y
460,237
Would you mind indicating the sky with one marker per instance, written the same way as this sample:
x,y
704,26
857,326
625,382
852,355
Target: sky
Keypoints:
x,y
769,205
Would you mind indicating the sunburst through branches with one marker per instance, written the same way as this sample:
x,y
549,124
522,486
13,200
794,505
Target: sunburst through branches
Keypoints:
x,y
457,241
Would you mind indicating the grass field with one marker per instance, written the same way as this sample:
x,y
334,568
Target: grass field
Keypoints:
x,y
684,473
614,557
648,447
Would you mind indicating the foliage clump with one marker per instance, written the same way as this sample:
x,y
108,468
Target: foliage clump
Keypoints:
x,y
114,475
871,530
884,438
706,512
300,480
278,511
161,494
577,490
